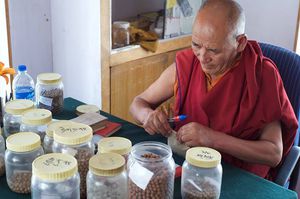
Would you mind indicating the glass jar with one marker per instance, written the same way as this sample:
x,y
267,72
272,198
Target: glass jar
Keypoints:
x,y
36,120
76,139
22,149
55,175
152,160
50,92
117,145
13,115
48,139
107,177
2,152
201,173
120,34
86,108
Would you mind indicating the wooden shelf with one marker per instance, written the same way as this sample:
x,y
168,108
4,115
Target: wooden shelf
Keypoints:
x,y
130,53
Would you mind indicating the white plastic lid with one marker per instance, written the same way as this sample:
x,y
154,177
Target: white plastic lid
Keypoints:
x,y
17,107
73,133
37,117
23,142
49,78
203,157
54,166
121,24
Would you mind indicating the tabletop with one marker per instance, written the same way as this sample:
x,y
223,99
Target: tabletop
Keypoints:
x,y
236,183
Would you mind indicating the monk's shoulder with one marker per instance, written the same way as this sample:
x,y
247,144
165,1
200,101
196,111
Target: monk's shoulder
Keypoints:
x,y
186,55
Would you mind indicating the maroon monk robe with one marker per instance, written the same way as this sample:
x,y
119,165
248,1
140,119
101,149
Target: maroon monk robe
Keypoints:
x,y
245,99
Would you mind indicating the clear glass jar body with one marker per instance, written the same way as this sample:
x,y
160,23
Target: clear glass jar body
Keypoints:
x,y
120,34
50,96
106,186
199,182
2,152
38,129
48,144
11,124
161,165
68,188
82,152
19,169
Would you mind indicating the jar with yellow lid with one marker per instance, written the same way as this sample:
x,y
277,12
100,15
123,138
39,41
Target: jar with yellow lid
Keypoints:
x,y
87,108
50,92
36,120
55,175
76,139
2,152
154,161
48,139
117,145
22,149
201,173
120,34
107,177
13,115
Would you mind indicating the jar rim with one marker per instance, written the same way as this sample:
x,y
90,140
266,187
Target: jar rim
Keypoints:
x,y
151,147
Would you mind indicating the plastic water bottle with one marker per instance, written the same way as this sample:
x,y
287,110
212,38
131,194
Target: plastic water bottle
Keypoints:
x,y
23,84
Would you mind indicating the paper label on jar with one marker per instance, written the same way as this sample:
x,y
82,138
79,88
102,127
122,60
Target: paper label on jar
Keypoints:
x,y
45,100
140,175
69,151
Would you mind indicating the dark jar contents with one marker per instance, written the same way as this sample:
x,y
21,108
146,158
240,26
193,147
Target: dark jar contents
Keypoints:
x,y
120,34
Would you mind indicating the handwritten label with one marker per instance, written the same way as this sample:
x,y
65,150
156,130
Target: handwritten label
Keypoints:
x,y
140,175
56,162
205,155
72,129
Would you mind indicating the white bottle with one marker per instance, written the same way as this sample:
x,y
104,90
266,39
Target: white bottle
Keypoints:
x,y
23,84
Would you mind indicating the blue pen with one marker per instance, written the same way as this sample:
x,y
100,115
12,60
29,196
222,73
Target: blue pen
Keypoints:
x,y
177,118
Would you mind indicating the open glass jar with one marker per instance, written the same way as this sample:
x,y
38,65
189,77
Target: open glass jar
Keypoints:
x,y
107,177
22,149
152,160
76,139
55,175
50,92
13,115
201,174
36,120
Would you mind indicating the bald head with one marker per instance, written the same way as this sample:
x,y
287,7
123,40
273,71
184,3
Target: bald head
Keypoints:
x,y
223,14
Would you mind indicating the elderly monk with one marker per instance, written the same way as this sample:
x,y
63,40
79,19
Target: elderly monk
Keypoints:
x,y
233,96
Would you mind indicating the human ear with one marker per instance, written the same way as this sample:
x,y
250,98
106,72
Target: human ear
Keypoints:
x,y
242,42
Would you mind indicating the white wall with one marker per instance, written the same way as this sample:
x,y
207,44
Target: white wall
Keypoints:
x,y
272,21
64,36
30,29
76,47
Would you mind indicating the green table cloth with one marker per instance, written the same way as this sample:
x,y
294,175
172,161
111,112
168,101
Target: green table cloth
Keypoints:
x,y
236,183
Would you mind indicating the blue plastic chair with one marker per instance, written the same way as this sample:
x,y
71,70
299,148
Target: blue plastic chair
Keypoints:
x,y
288,63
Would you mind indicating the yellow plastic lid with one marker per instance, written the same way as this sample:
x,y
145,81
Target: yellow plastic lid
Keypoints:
x,y
49,78
118,145
52,126
23,142
73,133
17,107
54,166
203,157
87,109
107,164
37,117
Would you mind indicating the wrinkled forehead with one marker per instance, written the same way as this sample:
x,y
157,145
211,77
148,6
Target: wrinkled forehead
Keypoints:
x,y
208,28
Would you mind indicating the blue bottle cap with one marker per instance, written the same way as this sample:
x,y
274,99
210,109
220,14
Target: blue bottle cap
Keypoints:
x,y
21,68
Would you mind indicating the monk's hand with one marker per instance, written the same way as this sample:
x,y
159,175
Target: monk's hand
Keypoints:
x,y
195,134
157,122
